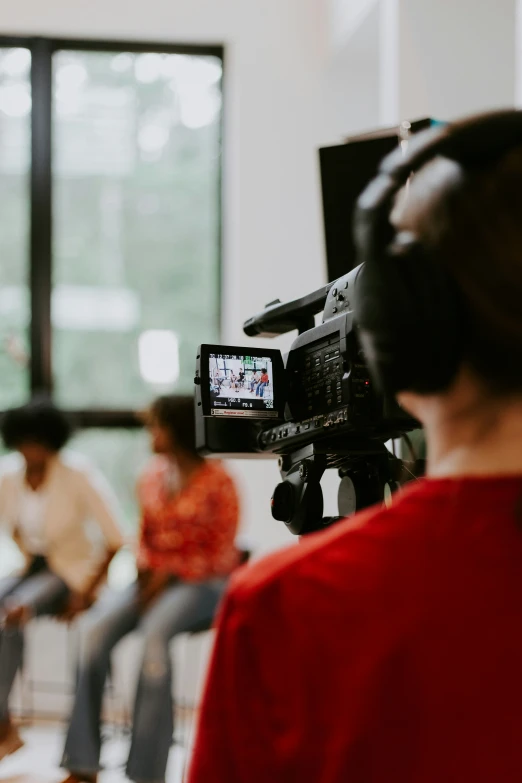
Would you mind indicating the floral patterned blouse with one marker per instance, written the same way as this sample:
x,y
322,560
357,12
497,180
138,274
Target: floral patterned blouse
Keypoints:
x,y
191,532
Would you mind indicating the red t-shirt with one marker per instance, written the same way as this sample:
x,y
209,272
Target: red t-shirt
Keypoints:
x,y
387,649
190,533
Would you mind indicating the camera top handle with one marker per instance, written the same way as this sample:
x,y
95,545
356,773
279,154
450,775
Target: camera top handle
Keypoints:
x,y
279,318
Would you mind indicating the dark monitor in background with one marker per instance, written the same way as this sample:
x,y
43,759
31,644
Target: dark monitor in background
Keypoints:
x,y
345,170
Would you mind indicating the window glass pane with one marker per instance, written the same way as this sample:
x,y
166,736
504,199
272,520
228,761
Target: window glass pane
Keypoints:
x,y
136,157
15,150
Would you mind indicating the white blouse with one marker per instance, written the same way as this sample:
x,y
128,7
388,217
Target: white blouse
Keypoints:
x,y
73,522
31,518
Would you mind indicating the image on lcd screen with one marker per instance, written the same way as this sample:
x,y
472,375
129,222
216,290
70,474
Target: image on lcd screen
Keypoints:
x,y
241,386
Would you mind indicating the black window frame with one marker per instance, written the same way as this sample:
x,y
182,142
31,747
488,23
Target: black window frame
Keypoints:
x,y
40,277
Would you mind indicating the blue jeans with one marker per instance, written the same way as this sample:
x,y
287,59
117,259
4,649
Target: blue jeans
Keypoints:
x,y
44,593
260,389
179,609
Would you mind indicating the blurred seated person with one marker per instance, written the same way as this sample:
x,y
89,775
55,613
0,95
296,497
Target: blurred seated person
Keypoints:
x,y
190,513
50,503
256,377
263,383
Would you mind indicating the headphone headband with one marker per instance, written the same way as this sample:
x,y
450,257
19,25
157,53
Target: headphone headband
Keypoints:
x,y
473,142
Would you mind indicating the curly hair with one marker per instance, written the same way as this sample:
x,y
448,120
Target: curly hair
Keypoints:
x,y
37,422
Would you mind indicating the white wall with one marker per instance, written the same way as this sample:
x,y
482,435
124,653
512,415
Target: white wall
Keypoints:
x,y
518,54
456,57
273,231
351,77
345,17
439,58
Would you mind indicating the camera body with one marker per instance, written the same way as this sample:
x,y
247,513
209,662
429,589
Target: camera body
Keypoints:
x,y
315,408
320,393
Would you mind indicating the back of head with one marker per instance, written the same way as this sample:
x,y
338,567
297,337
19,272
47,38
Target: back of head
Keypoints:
x,y
470,223
177,415
39,422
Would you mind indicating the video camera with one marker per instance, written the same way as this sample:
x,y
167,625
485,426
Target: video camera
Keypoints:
x,y
315,408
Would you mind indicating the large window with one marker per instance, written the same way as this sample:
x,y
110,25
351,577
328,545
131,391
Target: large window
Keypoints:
x,y
110,168
15,167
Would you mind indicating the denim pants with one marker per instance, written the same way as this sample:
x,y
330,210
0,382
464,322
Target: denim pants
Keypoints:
x,y
179,609
260,389
44,593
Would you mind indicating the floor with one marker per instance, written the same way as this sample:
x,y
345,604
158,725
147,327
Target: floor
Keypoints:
x,y
38,761
244,394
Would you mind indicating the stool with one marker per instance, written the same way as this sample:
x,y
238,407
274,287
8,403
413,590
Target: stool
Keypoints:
x,y
30,685
185,707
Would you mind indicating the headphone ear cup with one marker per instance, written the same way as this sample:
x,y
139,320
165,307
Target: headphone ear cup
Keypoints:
x,y
409,320
413,321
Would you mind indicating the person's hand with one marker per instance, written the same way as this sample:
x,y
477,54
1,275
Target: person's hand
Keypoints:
x,y
76,604
143,576
16,615
150,585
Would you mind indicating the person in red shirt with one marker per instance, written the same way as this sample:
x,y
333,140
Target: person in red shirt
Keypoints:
x,y
388,649
263,383
190,515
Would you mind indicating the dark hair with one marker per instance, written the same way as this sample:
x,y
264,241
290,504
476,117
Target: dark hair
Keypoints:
x,y
177,415
37,422
472,225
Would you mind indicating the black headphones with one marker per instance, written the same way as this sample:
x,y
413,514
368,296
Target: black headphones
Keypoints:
x,y
409,311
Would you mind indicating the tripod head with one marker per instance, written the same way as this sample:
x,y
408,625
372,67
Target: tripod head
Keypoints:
x,y
369,474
